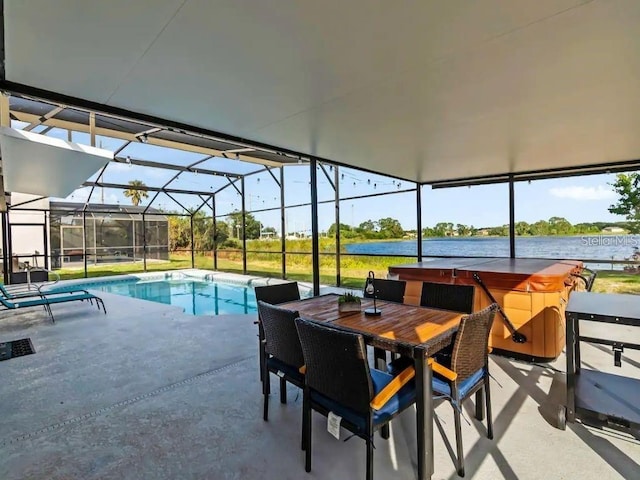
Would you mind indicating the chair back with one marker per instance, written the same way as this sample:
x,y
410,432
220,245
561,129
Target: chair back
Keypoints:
x,y
389,290
471,346
278,293
337,365
457,298
280,333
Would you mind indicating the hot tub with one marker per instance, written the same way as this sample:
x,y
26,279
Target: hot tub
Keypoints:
x,y
532,293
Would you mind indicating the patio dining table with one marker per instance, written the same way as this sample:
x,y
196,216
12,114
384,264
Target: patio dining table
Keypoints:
x,y
406,329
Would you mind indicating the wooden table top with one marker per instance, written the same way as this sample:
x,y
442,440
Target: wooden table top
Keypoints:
x,y
400,328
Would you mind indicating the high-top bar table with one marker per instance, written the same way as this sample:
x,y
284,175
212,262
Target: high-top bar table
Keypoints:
x,y
594,395
405,329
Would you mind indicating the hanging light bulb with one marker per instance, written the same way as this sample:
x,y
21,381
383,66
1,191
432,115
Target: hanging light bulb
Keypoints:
x,y
375,185
368,181
342,177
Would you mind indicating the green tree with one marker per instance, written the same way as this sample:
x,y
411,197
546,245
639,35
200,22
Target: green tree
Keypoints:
x,y
179,233
626,186
463,230
252,225
443,229
522,228
343,228
560,226
390,228
500,231
540,228
368,226
134,193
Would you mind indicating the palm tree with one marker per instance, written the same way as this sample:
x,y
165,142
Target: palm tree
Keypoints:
x,y
134,193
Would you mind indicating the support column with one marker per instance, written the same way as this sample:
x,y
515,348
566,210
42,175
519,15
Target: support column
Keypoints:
x,y
283,227
215,232
244,229
144,242
315,245
193,254
84,242
6,259
5,121
419,220
336,182
512,218
92,128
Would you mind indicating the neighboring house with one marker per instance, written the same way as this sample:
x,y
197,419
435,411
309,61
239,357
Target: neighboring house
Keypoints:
x,y
50,233
613,230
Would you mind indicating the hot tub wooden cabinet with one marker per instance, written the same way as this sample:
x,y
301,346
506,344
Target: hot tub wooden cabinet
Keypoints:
x,y
532,293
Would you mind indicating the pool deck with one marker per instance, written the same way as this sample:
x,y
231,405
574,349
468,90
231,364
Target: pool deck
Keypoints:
x,y
146,392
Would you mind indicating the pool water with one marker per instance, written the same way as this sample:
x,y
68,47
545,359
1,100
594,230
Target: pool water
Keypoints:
x,y
196,297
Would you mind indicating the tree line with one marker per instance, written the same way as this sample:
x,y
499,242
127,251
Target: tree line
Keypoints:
x,y
228,234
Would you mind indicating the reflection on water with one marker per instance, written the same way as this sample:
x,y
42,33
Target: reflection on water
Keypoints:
x,y
195,297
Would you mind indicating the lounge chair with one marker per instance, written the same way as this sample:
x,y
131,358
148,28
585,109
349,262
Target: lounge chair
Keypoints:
x,y
17,301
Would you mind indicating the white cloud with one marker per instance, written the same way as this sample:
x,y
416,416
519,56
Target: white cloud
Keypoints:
x,y
599,192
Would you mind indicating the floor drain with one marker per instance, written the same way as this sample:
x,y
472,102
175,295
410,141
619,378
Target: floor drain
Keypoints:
x,y
17,348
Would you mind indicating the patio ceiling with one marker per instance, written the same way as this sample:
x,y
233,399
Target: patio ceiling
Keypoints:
x,y
426,91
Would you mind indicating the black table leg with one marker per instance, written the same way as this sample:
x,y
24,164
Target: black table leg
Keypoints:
x,y
424,416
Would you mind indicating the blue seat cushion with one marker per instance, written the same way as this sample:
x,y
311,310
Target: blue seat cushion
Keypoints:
x,y
399,364
51,300
442,387
275,365
401,400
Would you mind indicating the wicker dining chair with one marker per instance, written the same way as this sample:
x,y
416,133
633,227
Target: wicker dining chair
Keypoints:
x,y
443,296
388,290
283,351
457,298
273,294
468,372
338,380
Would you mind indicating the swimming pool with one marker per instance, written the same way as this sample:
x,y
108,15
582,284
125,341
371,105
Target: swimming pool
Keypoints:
x,y
195,296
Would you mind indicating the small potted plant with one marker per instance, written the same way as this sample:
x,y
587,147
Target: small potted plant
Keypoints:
x,y
349,303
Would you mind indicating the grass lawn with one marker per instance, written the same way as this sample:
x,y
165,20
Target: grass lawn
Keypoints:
x,y
610,281
353,270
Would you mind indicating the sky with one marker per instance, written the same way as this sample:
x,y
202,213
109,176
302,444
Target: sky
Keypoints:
x,y
578,199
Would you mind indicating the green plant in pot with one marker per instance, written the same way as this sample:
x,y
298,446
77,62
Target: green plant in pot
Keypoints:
x,y
349,303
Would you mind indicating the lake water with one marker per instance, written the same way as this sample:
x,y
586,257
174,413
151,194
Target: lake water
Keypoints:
x,y
587,247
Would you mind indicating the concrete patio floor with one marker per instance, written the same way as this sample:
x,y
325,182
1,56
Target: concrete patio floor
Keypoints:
x,y
146,392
